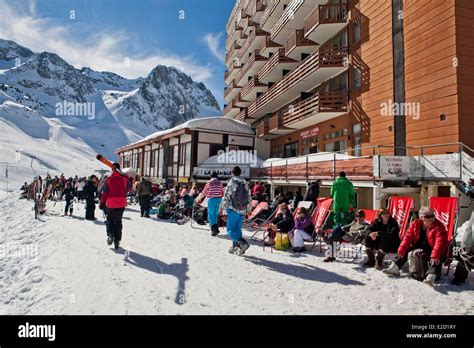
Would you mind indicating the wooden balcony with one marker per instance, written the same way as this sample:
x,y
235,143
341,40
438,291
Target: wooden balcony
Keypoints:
x,y
230,92
325,21
262,129
252,66
267,46
316,68
293,12
272,13
320,107
242,116
252,43
231,73
273,68
235,34
231,110
258,9
296,44
231,54
250,90
240,102
276,125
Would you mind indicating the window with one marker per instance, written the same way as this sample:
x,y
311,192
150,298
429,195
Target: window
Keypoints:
x,y
310,149
356,32
357,78
340,145
357,131
276,152
291,150
335,134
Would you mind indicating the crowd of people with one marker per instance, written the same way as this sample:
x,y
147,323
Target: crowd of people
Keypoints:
x,y
424,245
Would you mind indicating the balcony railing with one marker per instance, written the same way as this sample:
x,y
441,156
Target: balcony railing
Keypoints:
x,y
275,123
297,39
256,32
272,5
324,56
229,55
267,43
319,102
273,62
262,129
254,82
325,14
229,88
256,57
259,6
289,14
242,116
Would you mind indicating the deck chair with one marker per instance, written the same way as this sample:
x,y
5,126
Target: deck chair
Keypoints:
x,y
401,209
447,211
262,224
370,215
198,207
319,218
252,216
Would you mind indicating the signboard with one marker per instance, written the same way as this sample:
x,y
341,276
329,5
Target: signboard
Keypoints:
x,y
309,133
223,172
183,179
447,166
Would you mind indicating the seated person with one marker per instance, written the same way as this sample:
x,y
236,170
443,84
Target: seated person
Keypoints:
x,y
188,204
353,233
427,236
283,223
465,256
383,236
303,230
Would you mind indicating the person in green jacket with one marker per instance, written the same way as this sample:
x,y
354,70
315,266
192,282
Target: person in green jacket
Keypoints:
x,y
343,195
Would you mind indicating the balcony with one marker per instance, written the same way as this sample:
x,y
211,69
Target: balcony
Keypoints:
x,y
235,34
243,19
231,73
251,44
231,54
272,13
242,116
254,86
262,129
320,107
323,64
297,44
272,71
290,20
231,110
257,9
268,47
276,125
240,102
231,91
251,67
325,21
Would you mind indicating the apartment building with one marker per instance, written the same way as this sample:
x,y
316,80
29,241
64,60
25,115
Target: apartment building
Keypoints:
x,y
358,77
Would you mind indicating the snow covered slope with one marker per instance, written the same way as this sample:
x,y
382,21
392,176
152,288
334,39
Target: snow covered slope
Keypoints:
x,y
56,113
62,265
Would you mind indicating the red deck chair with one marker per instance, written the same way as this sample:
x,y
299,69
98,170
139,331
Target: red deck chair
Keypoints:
x,y
370,215
319,219
400,209
446,211
252,216
262,225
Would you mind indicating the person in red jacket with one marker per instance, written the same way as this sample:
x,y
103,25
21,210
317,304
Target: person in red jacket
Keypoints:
x,y
114,199
428,234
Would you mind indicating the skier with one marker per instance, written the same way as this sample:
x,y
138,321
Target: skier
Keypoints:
x,y
235,204
114,199
144,194
69,193
88,193
343,194
214,190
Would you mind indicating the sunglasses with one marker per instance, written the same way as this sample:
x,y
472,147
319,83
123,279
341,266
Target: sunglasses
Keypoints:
x,y
427,216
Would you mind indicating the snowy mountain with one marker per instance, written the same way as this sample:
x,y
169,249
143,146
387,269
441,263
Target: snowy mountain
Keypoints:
x,y
47,103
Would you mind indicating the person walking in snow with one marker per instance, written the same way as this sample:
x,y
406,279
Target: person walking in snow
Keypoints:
x,y
114,199
214,190
144,195
235,204
89,195
79,189
343,195
69,193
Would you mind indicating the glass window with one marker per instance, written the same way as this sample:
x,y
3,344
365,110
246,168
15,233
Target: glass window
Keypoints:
x,y
334,146
357,76
356,32
291,150
310,149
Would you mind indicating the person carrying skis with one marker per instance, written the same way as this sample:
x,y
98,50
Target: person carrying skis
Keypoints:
x,y
235,204
89,193
144,193
70,193
114,199
214,190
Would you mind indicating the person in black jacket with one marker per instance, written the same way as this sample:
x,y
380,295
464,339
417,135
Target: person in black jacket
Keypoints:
x,y
89,195
382,237
312,193
70,193
283,222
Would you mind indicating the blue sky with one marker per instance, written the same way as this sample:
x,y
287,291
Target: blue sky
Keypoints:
x,y
127,37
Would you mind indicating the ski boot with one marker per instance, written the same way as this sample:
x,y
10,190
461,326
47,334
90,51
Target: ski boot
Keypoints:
x,y
242,246
110,240
214,230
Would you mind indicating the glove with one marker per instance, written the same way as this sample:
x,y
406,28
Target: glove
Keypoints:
x,y
102,206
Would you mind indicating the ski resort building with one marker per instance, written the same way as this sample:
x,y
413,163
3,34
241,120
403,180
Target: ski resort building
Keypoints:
x,y
186,152
380,89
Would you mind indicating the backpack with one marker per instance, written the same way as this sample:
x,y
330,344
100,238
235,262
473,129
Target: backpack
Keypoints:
x,y
417,264
241,198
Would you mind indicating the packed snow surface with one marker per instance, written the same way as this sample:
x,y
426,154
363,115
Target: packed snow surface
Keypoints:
x,y
62,265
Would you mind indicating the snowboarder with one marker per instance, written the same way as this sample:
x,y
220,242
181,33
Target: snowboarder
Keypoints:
x,y
114,199
235,204
89,193
144,194
69,193
214,190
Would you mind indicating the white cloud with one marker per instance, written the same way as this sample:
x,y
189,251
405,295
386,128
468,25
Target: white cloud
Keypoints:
x,y
212,41
103,51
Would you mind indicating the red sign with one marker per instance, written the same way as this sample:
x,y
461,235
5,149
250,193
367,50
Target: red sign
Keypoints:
x,y
309,133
